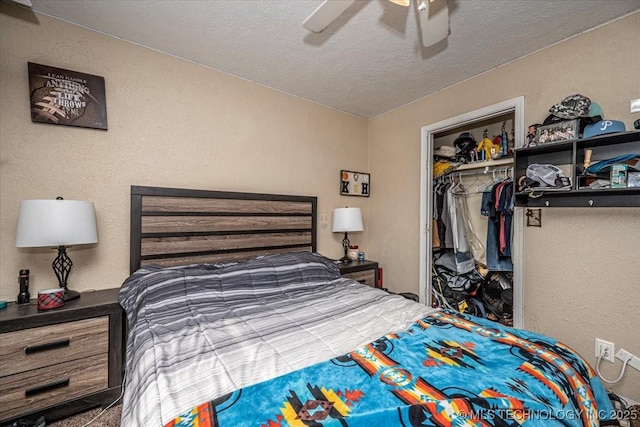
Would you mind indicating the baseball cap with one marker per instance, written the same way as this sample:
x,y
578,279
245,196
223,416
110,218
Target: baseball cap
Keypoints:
x,y
595,111
572,107
603,127
547,175
446,151
464,142
631,160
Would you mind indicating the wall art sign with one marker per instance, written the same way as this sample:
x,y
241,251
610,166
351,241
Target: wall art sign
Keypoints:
x,y
355,183
65,97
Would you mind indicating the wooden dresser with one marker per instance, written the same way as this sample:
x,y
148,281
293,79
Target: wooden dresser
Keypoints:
x,y
361,271
61,361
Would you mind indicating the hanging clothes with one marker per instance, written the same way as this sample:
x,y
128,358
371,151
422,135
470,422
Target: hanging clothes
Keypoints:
x,y
462,249
459,274
453,226
441,215
497,204
476,246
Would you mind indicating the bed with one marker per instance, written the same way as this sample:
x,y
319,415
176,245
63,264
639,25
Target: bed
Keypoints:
x,y
235,319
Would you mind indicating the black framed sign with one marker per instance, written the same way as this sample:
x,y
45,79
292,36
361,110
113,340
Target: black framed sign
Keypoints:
x,y
64,97
560,131
355,183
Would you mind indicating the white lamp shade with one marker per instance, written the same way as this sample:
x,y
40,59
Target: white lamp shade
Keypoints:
x,y
347,219
56,223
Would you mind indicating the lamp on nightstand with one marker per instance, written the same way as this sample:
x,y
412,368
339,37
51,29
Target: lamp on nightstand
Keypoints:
x,y
57,223
346,220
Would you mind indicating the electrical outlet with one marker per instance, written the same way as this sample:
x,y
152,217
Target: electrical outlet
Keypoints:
x,y
606,349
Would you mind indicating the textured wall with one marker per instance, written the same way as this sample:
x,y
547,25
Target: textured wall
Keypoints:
x,y
171,123
582,268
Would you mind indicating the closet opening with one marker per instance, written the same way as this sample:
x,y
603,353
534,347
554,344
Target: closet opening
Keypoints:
x,y
471,255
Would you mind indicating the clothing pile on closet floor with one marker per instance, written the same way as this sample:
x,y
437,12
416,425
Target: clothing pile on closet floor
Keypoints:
x,y
470,275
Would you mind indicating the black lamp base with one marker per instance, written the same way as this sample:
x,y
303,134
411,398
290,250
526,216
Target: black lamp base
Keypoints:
x,y
62,267
345,246
70,295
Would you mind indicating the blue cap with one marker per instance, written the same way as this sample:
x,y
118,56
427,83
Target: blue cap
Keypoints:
x,y
602,127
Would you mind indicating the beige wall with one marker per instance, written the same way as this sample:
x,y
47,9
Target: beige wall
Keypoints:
x,y
582,268
171,123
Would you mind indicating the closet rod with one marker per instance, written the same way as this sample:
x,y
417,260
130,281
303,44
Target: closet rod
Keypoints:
x,y
485,171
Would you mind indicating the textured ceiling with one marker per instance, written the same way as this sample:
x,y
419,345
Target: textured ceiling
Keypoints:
x,y
368,62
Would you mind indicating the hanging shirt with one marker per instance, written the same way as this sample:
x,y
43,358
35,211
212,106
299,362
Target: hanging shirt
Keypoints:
x,y
444,220
462,250
495,262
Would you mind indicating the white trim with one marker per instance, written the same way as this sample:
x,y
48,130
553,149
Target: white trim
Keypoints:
x,y
515,105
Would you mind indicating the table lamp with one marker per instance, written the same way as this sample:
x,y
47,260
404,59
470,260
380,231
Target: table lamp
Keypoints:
x,y
57,223
346,220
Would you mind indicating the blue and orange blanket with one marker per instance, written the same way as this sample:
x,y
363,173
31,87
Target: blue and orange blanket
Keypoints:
x,y
447,369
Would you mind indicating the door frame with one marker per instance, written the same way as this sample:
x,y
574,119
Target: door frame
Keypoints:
x,y
515,105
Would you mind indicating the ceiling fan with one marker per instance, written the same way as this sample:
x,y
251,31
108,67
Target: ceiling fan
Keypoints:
x,y
26,3
433,16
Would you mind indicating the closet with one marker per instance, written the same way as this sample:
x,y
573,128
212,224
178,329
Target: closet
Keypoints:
x,y
471,241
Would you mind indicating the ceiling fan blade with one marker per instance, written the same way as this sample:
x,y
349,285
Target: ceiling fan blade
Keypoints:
x,y
22,2
434,21
405,3
325,14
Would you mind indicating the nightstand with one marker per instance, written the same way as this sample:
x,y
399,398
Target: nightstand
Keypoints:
x,y
361,271
61,361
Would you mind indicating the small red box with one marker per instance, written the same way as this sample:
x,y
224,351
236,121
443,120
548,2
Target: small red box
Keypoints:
x,y
50,298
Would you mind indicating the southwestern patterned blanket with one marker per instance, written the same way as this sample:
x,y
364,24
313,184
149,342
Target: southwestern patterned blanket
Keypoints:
x,y
447,369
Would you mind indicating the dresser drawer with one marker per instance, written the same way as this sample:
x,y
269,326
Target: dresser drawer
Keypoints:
x,y
368,277
40,388
35,348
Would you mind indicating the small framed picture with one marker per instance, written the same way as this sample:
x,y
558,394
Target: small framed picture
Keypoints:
x,y
561,131
355,183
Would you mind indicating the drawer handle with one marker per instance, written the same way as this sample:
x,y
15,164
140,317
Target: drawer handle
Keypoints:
x,y
47,346
46,387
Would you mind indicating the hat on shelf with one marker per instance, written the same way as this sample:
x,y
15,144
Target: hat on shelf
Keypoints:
x,y
603,127
464,142
547,175
595,111
446,151
572,107
631,160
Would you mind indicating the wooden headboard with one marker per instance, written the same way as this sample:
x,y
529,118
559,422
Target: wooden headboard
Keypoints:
x,y
171,226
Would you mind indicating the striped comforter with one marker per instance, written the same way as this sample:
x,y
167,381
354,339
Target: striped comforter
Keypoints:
x,y
199,332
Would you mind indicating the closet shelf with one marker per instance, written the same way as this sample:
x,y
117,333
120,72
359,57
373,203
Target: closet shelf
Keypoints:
x,y
485,164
